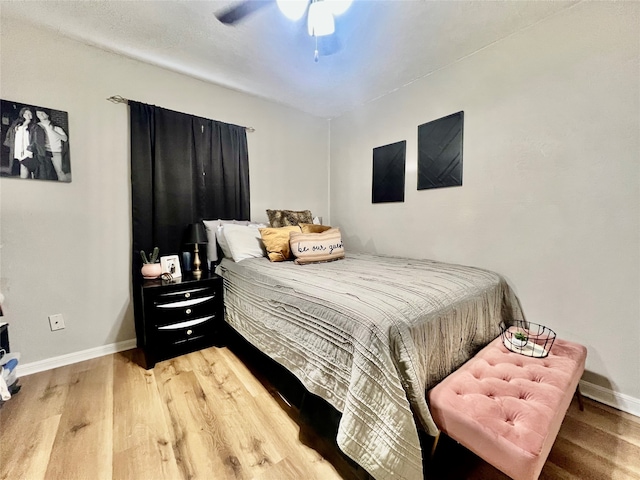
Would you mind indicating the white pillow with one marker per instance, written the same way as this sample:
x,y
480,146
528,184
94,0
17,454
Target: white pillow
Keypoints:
x,y
221,239
222,242
239,241
211,226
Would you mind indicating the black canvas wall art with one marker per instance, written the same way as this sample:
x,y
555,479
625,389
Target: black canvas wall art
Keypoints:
x,y
388,172
34,142
440,152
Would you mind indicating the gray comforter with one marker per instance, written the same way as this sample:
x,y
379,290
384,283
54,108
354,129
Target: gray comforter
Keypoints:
x,y
370,335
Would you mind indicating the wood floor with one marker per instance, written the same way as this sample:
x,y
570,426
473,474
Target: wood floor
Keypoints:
x,y
206,416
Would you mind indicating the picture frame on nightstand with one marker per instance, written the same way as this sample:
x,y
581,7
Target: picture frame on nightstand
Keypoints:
x,y
171,264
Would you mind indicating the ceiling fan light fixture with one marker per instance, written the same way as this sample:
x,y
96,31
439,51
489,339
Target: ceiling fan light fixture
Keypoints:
x,y
292,9
320,19
338,7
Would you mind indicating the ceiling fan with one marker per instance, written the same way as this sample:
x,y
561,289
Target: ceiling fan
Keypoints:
x,y
320,17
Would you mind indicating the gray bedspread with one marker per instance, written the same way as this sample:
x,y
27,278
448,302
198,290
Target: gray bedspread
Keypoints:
x,y
369,334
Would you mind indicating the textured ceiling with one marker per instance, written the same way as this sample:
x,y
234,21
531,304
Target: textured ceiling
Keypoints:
x,y
384,44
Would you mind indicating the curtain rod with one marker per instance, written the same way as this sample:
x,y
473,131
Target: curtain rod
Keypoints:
x,y
120,99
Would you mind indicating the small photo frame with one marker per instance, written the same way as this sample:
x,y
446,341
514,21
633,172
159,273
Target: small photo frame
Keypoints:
x,y
171,265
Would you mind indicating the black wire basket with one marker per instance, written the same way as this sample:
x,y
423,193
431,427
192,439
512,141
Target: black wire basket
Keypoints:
x,y
526,338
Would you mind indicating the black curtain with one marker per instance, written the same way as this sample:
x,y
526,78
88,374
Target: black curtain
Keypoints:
x,y
184,169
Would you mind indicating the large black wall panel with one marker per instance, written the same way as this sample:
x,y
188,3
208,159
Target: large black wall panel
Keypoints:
x,y
388,172
440,152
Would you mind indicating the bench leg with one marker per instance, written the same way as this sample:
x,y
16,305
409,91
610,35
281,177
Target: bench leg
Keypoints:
x,y
580,402
435,444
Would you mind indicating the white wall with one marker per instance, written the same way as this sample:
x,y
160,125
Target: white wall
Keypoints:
x,y
65,248
550,195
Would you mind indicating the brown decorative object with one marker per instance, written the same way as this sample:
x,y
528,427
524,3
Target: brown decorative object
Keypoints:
x,y
286,218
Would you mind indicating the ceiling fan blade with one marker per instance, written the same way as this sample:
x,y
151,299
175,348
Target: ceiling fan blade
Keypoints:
x,y
238,12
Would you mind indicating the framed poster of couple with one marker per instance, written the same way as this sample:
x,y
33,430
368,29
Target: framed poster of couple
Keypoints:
x,y
34,142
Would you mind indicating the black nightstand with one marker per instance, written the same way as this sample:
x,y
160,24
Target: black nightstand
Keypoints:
x,y
179,317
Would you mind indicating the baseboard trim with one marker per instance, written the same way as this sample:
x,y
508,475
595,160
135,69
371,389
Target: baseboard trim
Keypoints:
x,y
620,401
70,358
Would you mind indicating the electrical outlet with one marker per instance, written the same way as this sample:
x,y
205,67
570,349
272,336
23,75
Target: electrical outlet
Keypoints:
x,y
56,321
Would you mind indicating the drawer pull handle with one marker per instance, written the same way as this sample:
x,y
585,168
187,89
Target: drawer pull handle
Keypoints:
x,y
185,303
187,295
188,311
189,332
184,292
188,323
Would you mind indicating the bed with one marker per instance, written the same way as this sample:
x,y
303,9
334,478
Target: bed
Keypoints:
x,y
369,335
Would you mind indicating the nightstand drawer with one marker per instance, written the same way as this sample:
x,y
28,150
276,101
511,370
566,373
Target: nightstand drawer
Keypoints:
x,y
171,312
187,331
185,294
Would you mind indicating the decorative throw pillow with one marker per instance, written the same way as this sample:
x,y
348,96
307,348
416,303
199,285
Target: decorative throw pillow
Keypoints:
x,y
276,241
313,228
286,218
317,247
241,241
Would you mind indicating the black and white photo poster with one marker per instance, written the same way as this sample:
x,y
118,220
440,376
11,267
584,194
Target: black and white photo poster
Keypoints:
x,y
35,142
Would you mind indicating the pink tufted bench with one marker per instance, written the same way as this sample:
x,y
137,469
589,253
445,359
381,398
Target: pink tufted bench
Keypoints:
x,y
508,408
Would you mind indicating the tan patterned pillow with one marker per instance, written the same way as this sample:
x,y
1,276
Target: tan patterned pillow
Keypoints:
x,y
276,241
313,228
286,218
317,247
